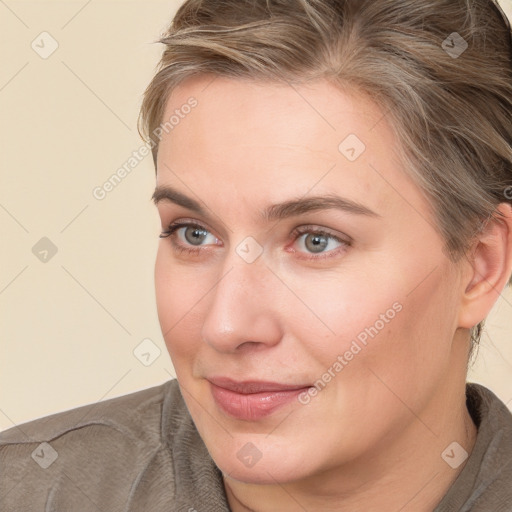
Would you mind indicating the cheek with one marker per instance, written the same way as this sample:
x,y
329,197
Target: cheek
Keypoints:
x,y
177,303
165,292
409,361
378,324
342,314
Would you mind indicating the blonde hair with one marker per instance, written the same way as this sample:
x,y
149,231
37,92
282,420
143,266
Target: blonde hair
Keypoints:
x,y
441,70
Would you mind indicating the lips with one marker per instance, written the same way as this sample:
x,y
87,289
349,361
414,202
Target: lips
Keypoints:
x,y
252,400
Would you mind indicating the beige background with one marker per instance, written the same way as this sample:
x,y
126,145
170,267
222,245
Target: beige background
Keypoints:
x,y
69,326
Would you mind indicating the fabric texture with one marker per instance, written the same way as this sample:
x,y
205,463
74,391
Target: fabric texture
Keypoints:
x,y
142,452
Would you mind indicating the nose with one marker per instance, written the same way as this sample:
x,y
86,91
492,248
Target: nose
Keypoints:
x,y
244,308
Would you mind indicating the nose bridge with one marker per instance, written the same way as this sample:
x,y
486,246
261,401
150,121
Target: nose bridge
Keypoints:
x,y
240,308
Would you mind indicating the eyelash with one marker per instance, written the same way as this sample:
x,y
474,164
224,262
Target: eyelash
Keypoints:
x,y
296,233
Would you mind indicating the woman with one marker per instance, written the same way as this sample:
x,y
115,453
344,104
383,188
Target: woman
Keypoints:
x,y
334,183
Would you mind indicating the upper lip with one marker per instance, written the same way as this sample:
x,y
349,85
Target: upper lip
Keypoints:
x,y
253,386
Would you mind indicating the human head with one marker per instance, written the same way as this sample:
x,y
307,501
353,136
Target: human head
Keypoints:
x,y
439,120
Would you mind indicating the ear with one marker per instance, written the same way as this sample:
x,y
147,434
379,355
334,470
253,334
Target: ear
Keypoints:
x,y
489,269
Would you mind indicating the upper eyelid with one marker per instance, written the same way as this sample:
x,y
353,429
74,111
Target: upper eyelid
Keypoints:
x,y
167,209
303,228
188,223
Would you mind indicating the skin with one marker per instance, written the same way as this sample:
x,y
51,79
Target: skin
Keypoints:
x,y
372,439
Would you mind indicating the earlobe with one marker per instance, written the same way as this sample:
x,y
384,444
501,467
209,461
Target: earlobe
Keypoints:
x,y
490,268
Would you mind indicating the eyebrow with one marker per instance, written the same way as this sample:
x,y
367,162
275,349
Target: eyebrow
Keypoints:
x,y
290,208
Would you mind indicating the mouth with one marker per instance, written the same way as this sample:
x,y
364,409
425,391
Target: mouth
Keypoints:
x,y
252,400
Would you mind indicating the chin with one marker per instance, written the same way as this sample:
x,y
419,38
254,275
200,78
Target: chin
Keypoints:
x,y
262,473
265,463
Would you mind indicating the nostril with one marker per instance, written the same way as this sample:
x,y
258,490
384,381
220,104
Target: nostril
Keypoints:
x,y
249,345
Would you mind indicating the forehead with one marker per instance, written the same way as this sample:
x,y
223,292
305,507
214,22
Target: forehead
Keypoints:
x,y
276,111
271,139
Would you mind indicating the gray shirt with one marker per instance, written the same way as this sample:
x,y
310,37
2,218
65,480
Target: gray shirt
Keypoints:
x,y
142,452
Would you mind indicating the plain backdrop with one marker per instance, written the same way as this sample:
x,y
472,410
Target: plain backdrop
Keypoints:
x,y
76,273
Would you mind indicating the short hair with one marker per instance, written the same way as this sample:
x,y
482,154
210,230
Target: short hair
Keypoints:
x,y
441,70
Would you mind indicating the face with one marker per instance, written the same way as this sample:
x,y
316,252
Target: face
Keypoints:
x,y
297,332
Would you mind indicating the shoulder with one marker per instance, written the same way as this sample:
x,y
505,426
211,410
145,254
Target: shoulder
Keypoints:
x,y
127,413
93,455
485,483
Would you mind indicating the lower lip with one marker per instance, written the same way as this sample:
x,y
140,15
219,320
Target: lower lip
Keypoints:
x,y
252,406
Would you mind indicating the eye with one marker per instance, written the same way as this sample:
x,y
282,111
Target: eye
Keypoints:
x,y
313,244
318,242
186,235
